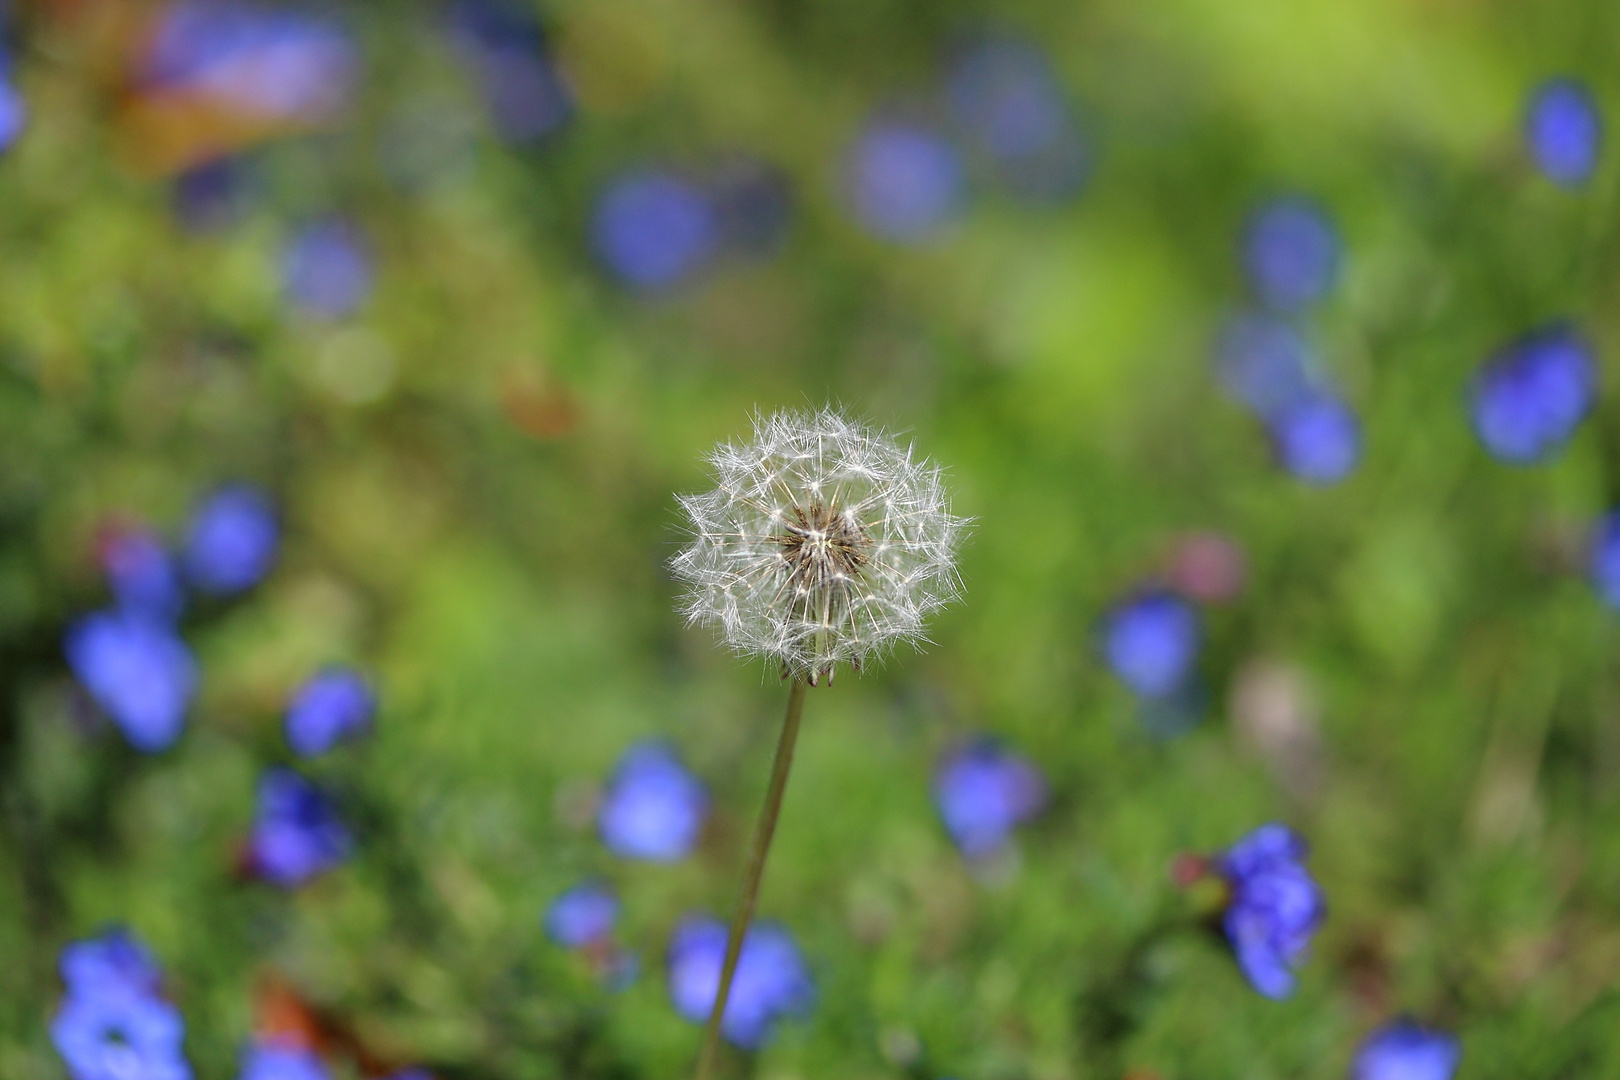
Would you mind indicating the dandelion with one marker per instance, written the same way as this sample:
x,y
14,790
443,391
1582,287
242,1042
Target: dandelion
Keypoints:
x,y
824,542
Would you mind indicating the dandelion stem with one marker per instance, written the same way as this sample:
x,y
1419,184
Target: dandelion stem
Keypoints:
x,y
763,831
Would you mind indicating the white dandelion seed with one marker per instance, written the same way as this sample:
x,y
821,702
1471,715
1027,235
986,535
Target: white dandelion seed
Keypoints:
x,y
824,542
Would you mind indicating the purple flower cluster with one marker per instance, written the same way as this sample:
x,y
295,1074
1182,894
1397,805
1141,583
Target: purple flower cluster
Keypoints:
x,y
1000,112
130,658
1290,253
653,808
113,1024
1275,906
771,982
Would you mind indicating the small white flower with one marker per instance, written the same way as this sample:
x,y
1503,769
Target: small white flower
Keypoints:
x,y
824,542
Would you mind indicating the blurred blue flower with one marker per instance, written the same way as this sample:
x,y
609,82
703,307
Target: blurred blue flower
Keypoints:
x,y
1275,907
1528,399
331,706
1605,558
1151,642
114,963
214,195
525,94
1317,438
754,204
261,61
13,108
906,182
1003,93
270,1061
296,831
326,269
653,807
1402,1050
1291,252
652,229
1564,130
1264,363
771,981
137,670
231,540
143,576
120,1035
983,790
582,915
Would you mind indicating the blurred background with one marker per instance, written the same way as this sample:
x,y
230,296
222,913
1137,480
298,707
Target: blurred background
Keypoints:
x,y
352,354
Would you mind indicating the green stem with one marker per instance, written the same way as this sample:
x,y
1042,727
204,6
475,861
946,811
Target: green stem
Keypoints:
x,y
756,871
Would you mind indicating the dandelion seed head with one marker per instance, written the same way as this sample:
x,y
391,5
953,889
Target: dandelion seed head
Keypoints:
x,y
823,542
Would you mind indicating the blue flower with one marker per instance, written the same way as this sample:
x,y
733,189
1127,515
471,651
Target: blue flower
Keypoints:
x,y
261,62
270,1061
526,97
1317,438
1264,363
771,981
13,108
652,230
906,182
114,963
326,269
137,670
231,542
1151,642
983,790
1563,131
1402,1050
215,194
1605,558
754,204
120,1035
332,706
142,574
582,915
653,807
1275,906
296,833
1291,253
1003,92
1529,398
